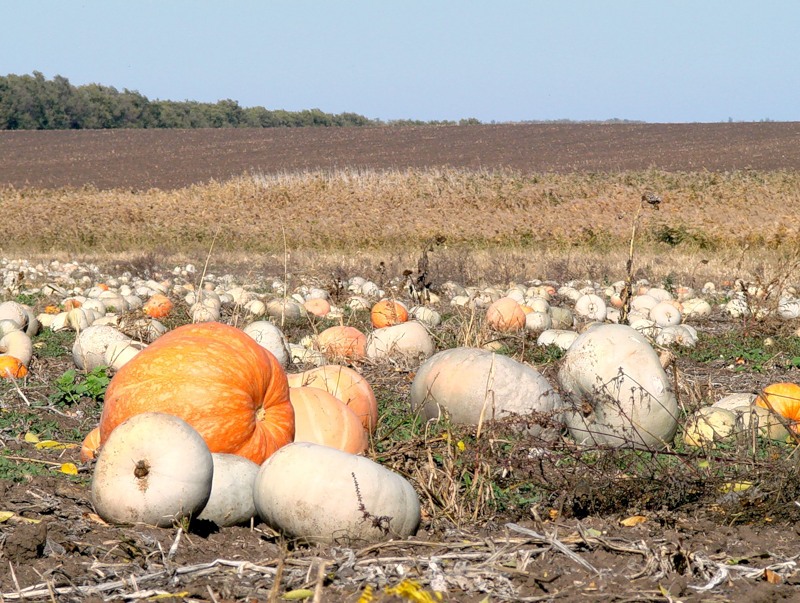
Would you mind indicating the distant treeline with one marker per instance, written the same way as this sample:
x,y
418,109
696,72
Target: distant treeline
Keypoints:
x,y
32,102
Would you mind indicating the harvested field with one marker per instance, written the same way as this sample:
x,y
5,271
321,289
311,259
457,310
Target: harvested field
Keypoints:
x,y
166,159
505,516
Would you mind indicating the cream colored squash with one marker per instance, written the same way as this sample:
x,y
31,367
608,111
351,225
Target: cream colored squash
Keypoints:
x,y
409,340
154,469
470,385
615,390
231,501
322,495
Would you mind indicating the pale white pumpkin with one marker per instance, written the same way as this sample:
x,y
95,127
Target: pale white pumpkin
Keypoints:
x,y
89,349
615,391
271,338
709,425
18,345
154,469
319,494
590,306
118,353
469,385
409,340
562,338
232,487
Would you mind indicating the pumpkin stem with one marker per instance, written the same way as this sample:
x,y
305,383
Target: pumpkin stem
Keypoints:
x,y
142,469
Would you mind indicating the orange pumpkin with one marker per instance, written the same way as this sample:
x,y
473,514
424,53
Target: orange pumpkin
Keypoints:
x,y
158,306
71,304
216,378
505,315
782,399
11,368
346,385
90,445
317,306
342,342
51,309
387,313
323,419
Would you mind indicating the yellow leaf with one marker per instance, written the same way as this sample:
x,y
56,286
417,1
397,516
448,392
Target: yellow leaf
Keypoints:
x,y
5,516
298,594
31,438
53,445
735,486
182,595
634,520
69,469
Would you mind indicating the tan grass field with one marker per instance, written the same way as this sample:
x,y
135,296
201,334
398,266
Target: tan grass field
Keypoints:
x,y
498,224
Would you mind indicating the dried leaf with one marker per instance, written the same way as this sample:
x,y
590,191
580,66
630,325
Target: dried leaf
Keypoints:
x,y
5,516
735,486
180,595
298,594
634,520
31,438
95,518
69,469
53,445
772,577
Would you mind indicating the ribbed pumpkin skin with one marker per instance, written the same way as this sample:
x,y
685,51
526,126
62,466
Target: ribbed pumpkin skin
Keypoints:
x,y
342,342
323,419
387,313
345,384
783,399
214,377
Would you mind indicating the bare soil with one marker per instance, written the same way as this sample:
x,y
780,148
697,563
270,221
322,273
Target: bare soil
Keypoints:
x,y
166,159
698,539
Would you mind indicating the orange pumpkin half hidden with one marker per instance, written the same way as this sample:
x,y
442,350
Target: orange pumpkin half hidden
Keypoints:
x,y
782,399
216,378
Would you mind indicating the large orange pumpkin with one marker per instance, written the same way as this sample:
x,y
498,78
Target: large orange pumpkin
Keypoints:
x,y
216,378
321,418
342,342
345,384
782,399
387,313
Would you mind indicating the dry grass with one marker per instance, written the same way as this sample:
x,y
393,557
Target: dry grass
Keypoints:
x,y
507,225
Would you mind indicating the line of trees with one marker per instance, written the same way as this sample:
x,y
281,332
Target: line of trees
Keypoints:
x,y
32,102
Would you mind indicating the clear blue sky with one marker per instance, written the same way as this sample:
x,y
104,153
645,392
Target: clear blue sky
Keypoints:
x,y
656,61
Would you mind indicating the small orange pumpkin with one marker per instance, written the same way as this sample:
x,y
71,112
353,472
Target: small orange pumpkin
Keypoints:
x,y
51,309
387,313
323,419
342,342
102,286
216,378
90,445
345,384
71,304
505,315
784,400
158,306
317,306
11,368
